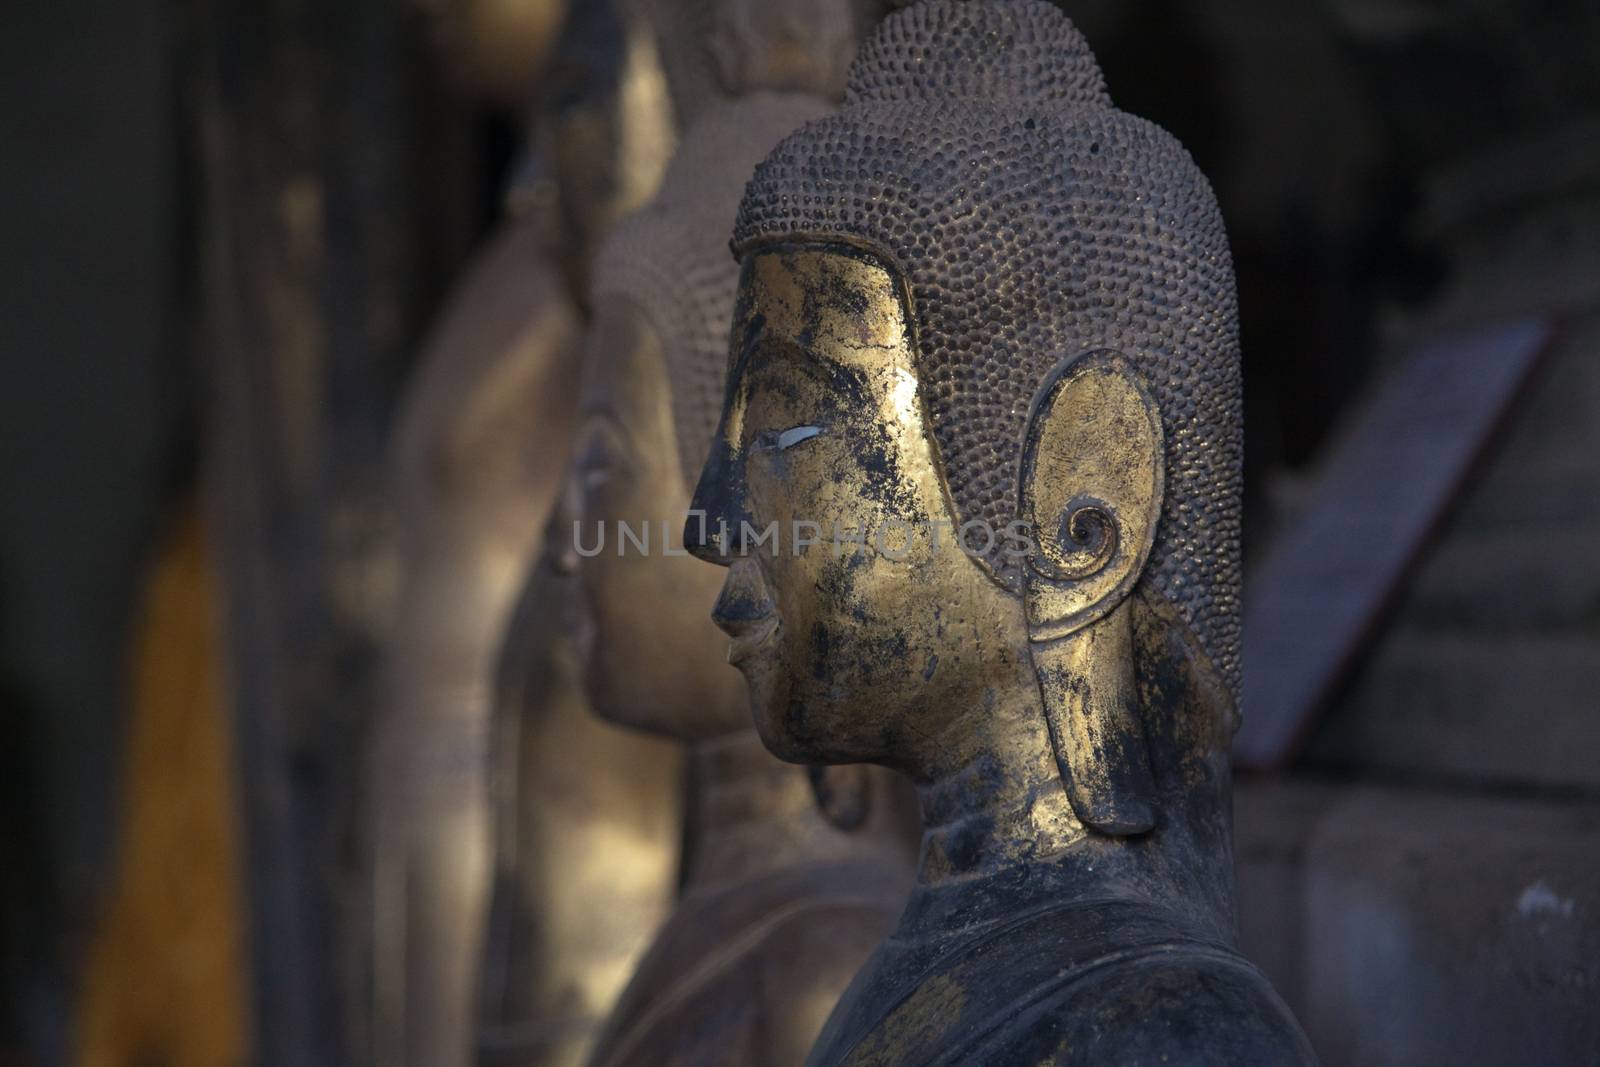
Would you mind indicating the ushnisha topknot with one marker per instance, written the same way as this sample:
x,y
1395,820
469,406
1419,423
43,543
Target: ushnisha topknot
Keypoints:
x,y
978,152
977,50
670,258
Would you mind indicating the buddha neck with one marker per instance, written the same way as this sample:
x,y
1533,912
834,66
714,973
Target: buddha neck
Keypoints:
x,y
753,815
1002,804
1000,835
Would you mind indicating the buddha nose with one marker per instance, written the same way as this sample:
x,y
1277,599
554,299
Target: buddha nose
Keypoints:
x,y
717,520
561,530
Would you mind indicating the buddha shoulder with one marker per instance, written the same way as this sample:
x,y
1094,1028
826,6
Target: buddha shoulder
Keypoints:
x,y
1082,988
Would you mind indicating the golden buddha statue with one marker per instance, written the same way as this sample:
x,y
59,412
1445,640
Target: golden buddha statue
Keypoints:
x,y
976,481
788,882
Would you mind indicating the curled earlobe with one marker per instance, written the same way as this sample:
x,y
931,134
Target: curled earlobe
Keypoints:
x,y
1084,543
1091,704
1092,481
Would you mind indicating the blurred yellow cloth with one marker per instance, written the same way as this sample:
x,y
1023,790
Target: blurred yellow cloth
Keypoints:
x,y
165,978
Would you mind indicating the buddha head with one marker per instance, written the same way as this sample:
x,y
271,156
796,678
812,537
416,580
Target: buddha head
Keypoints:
x,y
627,76
981,434
789,45
662,293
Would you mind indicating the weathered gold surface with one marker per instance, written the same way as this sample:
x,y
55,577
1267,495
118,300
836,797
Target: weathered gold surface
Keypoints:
x,y
790,877
1068,736
823,341
1092,482
1092,489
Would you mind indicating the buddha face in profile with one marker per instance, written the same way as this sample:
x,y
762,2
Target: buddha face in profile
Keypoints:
x,y
653,380
652,659
859,594
982,413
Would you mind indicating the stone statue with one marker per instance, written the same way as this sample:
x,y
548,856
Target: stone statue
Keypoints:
x,y
977,483
788,882
588,826
470,485
479,456
588,817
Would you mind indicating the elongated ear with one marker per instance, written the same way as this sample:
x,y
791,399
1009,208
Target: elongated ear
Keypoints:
x,y
1092,482
1093,476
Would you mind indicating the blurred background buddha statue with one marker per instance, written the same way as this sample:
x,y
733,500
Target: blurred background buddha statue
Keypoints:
x,y
527,925
789,878
479,451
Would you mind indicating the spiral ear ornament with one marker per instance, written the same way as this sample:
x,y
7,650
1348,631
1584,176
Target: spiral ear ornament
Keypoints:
x,y
1084,544
1092,482
1091,485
